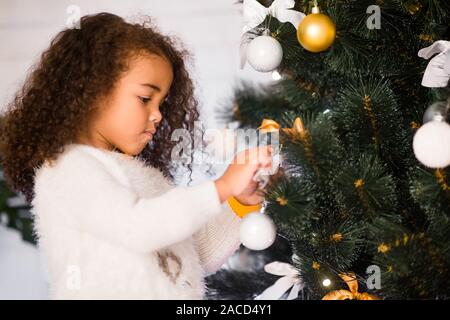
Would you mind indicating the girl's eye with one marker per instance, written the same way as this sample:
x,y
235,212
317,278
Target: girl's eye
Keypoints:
x,y
144,100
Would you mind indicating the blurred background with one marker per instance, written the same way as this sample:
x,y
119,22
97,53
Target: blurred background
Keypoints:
x,y
211,30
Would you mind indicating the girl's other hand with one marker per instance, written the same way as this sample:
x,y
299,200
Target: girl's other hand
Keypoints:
x,y
238,177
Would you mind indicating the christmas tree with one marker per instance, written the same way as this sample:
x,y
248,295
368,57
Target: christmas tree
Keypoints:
x,y
360,212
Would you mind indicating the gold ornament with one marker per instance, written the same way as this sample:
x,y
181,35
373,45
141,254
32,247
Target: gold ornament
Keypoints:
x,y
353,294
269,125
298,128
316,32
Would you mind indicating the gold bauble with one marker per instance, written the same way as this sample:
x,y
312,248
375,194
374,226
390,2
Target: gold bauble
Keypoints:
x,y
316,32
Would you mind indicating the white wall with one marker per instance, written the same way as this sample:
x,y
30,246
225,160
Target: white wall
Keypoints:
x,y
209,28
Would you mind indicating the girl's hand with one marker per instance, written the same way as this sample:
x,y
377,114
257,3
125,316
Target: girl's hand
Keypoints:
x,y
251,195
238,178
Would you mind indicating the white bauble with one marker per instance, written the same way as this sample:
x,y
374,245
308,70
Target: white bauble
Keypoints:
x,y
432,144
257,231
264,53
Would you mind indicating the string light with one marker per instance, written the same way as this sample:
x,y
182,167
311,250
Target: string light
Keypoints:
x,y
326,282
276,75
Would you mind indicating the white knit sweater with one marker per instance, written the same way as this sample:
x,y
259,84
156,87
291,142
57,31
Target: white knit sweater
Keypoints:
x,y
110,227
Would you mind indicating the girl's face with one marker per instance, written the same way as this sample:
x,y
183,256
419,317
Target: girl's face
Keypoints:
x,y
129,116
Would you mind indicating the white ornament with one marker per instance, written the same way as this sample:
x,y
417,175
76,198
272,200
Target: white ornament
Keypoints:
x,y
431,144
255,13
264,53
257,231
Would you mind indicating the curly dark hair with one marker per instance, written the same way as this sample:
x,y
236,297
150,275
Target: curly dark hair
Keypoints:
x,y
58,98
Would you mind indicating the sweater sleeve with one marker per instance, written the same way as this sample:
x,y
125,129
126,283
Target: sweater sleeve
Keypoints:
x,y
218,239
94,201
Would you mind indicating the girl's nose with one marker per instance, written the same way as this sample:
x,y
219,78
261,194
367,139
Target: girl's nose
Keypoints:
x,y
155,117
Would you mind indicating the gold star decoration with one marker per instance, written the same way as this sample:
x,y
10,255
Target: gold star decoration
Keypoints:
x,y
337,237
358,183
282,201
383,248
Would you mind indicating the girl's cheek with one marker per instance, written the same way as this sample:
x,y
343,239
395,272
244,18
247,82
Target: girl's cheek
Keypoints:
x,y
137,114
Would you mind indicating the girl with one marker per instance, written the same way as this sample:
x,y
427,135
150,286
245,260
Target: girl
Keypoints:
x,y
87,141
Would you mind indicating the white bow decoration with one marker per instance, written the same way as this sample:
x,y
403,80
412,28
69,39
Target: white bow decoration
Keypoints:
x,y
291,279
437,72
255,13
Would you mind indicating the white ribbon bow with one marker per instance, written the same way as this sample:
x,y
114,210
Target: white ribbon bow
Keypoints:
x,y
255,13
291,279
437,72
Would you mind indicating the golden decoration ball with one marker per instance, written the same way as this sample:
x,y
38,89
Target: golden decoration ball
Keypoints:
x,y
316,32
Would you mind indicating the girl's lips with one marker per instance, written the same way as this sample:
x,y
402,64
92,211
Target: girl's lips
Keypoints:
x,y
148,134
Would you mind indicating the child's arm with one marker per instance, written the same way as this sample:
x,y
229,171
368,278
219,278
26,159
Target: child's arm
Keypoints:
x,y
217,240
89,198
85,195
220,237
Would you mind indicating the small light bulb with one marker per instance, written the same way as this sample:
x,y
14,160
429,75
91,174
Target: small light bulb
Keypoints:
x,y
276,75
326,282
